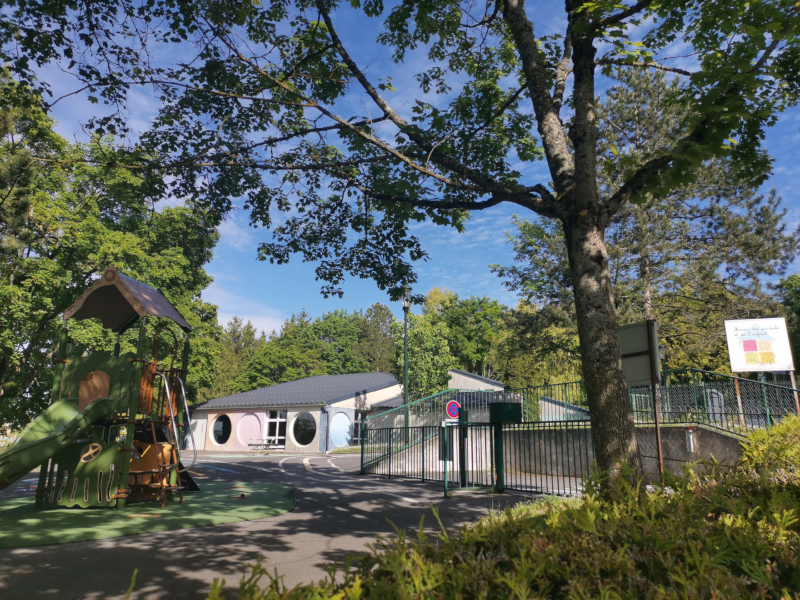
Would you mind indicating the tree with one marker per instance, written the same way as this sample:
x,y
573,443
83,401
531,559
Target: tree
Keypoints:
x,y
429,357
238,343
295,353
690,259
473,326
62,227
275,90
790,292
375,344
339,331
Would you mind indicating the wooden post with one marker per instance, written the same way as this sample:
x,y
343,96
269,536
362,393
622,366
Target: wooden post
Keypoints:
x,y
652,343
794,388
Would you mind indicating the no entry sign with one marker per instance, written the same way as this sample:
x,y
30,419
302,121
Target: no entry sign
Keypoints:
x,y
452,409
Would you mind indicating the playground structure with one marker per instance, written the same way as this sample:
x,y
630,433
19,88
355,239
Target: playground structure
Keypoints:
x,y
112,431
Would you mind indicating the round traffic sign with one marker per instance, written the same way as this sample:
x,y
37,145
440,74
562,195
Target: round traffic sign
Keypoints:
x,y
452,409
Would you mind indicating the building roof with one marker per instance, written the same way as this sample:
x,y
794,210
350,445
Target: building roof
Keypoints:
x,y
390,403
321,389
477,377
118,300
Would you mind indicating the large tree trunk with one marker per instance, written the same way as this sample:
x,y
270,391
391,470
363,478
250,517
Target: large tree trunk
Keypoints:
x,y
612,417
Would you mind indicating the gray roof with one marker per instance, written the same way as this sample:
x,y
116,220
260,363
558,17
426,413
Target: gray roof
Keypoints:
x,y
321,389
477,377
390,403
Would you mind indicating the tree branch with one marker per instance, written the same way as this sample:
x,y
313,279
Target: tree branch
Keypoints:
x,y
543,204
620,16
551,130
650,65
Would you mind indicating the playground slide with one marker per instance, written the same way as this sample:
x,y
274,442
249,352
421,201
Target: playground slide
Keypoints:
x,y
49,433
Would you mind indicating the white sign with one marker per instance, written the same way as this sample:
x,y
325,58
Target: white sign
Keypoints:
x,y
759,345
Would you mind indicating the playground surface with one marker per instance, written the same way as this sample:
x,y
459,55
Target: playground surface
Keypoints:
x,y
337,512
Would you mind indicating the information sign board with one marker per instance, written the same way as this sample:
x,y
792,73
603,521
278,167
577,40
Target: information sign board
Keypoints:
x,y
759,345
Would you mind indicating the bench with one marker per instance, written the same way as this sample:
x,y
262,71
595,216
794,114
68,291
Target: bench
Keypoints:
x,y
257,444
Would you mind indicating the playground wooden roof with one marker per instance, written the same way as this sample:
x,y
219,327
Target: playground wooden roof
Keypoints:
x,y
118,300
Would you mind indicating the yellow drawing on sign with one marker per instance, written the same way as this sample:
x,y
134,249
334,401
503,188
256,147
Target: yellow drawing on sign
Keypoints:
x,y
765,346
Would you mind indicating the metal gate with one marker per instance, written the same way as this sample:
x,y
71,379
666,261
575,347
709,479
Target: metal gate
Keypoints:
x,y
539,457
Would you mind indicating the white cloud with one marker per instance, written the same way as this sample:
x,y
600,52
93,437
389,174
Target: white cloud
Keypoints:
x,y
232,305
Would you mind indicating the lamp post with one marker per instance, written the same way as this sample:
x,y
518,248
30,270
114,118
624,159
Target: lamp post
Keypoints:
x,y
406,307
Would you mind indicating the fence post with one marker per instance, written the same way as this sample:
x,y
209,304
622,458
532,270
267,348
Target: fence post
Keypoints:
x,y
423,454
462,446
694,393
391,431
794,391
500,476
446,455
363,441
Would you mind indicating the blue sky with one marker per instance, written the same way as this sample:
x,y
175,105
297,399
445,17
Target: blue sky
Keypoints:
x,y
267,294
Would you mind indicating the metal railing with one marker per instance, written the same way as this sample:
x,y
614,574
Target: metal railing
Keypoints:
x,y
551,451
430,410
715,400
540,457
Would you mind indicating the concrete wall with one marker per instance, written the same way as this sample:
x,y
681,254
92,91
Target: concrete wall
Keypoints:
x,y
707,444
198,428
291,444
251,424
465,382
365,401
569,452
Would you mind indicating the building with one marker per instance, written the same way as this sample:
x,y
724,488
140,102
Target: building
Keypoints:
x,y
315,414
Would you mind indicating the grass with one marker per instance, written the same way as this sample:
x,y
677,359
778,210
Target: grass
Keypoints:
x,y
21,525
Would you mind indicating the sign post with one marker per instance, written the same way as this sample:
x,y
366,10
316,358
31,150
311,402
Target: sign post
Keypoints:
x,y
640,362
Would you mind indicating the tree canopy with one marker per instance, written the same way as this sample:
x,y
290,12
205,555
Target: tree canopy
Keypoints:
x,y
280,108
62,227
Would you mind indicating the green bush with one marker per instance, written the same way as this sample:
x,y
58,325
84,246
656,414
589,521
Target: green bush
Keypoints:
x,y
775,450
725,533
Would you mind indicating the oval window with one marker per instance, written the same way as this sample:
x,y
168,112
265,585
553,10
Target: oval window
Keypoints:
x,y
222,429
305,429
341,430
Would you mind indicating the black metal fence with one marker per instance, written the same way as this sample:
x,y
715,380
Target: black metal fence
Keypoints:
x,y
540,457
551,451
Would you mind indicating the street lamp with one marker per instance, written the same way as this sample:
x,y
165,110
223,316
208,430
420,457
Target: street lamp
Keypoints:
x,y
406,307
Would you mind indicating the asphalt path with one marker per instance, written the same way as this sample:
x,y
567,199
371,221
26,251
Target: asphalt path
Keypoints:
x,y
338,512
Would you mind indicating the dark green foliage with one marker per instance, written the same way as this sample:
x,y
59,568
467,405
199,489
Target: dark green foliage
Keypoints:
x,y
375,343
429,356
337,343
473,326
63,222
238,342
727,533
790,292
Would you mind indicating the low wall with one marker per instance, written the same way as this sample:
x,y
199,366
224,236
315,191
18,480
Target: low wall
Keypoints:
x,y
675,447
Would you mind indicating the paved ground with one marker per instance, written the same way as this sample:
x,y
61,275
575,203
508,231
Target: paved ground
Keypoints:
x,y
337,512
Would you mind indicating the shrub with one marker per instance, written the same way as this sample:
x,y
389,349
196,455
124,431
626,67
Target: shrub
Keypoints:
x,y
770,451
724,533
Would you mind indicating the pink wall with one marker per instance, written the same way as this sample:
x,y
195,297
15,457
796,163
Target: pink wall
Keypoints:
x,y
245,425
